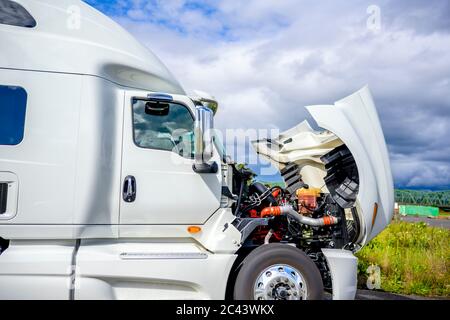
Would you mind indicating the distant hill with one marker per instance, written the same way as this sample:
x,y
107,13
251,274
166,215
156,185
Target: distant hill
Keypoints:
x,y
273,184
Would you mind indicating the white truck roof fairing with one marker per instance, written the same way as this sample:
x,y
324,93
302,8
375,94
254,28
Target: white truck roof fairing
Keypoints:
x,y
72,37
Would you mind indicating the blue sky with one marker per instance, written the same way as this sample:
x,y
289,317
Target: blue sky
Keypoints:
x,y
265,60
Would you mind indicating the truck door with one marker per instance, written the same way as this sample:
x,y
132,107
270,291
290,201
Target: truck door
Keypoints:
x,y
159,185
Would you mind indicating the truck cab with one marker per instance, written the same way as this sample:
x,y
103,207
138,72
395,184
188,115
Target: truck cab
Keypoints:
x,y
113,184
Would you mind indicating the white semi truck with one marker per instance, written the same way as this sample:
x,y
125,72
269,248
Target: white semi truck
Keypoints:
x,y
112,188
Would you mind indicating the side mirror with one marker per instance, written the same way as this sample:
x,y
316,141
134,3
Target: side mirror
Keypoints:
x,y
203,145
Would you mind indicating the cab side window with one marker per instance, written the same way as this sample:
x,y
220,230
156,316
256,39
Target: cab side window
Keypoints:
x,y
13,102
163,126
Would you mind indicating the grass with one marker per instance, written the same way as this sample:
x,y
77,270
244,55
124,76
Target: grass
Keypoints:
x,y
414,258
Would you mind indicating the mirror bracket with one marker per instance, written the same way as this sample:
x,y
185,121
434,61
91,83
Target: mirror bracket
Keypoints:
x,y
211,167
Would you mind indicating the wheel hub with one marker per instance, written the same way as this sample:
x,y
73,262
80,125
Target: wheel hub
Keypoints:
x,y
280,282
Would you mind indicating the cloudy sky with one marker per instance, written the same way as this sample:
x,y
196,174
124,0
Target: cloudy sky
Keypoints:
x,y
266,59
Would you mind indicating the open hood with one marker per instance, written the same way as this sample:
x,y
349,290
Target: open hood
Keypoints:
x,y
353,122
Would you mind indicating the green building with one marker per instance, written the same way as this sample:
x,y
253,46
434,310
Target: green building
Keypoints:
x,y
418,210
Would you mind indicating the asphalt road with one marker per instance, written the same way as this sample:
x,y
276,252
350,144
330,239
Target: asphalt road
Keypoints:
x,y
443,223
381,295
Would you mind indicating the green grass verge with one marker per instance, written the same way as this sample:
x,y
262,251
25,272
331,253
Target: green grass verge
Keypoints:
x,y
414,258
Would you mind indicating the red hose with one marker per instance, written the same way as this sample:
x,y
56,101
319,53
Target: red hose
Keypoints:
x,y
271,211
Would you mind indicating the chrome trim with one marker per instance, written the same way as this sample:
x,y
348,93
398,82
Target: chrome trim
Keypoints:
x,y
173,255
160,97
280,282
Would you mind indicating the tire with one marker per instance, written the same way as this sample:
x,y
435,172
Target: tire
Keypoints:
x,y
275,255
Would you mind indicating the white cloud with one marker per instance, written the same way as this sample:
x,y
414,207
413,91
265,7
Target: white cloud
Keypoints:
x,y
264,60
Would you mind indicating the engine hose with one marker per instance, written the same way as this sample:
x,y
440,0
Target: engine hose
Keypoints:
x,y
288,210
268,236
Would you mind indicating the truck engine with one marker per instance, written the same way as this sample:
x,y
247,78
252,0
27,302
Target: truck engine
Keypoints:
x,y
298,213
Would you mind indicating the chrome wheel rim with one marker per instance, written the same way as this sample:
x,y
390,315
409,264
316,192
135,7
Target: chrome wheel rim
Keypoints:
x,y
280,282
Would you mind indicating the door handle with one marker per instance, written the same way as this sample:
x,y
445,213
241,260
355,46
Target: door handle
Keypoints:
x,y
129,189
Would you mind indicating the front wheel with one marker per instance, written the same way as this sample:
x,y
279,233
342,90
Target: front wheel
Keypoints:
x,y
278,272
